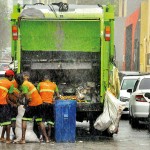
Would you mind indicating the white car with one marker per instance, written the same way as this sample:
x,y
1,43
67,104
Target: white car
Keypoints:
x,y
127,82
138,104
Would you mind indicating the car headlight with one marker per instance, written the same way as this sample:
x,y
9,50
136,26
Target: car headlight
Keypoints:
x,y
124,99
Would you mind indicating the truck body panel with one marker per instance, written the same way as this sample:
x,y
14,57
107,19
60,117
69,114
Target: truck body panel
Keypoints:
x,y
75,46
56,35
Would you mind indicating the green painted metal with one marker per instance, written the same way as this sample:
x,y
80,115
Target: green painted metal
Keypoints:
x,y
68,31
107,49
66,35
16,11
13,43
109,12
18,56
64,15
112,39
102,55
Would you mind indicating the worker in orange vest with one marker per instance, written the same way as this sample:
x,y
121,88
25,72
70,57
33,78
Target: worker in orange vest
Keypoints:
x,y
6,88
47,89
34,105
14,102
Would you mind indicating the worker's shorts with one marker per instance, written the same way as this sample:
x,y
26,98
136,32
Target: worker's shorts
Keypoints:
x,y
5,115
14,113
48,112
33,112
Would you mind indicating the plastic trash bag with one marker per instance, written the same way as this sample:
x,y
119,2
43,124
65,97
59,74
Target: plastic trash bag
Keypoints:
x,y
103,121
110,117
113,128
30,135
116,109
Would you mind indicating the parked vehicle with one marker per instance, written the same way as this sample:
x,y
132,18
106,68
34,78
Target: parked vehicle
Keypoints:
x,y
127,73
147,96
127,82
138,104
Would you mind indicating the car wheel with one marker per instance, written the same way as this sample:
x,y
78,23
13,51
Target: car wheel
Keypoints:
x,y
130,115
134,122
130,119
149,127
148,123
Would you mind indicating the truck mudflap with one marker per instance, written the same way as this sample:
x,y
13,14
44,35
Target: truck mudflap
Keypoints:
x,y
87,106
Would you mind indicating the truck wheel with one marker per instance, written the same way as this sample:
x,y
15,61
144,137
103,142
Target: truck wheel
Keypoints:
x,y
107,134
92,130
91,127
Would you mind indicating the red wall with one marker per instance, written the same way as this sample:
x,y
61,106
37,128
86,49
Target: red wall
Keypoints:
x,y
132,19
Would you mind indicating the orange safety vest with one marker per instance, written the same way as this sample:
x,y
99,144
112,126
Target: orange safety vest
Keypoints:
x,y
5,84
32,94
15,83
47,90
16,91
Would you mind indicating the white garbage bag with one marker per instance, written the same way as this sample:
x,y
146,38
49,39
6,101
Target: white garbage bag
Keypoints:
x,y
116,110
113,128
110,117
30,135
104,120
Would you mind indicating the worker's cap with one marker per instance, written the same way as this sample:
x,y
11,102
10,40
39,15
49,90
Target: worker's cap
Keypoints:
x,y
9,73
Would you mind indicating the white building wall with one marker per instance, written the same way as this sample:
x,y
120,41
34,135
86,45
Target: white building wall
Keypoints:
x,y
10,4
119,39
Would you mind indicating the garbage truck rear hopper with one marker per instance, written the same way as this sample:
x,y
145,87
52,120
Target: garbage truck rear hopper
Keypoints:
x,y
74,44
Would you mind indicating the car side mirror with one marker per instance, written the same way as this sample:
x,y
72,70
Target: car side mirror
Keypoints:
x,y
129,91
147,95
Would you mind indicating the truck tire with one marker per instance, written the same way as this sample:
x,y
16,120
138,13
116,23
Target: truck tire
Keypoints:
x,y
107,134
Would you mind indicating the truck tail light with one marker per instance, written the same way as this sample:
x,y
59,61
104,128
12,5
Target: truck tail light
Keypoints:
x,y
140,98
107,33
15,32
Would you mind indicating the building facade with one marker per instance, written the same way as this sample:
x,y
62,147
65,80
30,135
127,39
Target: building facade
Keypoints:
x,y
145,37
128,53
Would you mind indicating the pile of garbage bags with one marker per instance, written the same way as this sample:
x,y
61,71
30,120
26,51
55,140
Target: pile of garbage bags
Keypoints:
x,y
30,134
111,115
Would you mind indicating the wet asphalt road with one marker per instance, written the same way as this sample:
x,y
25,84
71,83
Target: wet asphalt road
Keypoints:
x,y
126,139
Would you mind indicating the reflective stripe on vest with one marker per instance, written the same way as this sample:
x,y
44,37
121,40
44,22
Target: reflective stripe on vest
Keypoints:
x,y
47,90
15,89
3,88
34,89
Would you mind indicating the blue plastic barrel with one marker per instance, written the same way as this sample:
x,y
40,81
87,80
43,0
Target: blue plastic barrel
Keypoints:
x,y
65,120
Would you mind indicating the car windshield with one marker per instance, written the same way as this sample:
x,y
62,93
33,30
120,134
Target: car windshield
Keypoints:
x,y
128,84
145,84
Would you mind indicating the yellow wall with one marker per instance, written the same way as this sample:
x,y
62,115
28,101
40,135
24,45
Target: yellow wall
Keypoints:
x,y
145,36
122,8
148,37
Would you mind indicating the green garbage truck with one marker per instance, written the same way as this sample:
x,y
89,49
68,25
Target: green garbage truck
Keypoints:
x,y
72,43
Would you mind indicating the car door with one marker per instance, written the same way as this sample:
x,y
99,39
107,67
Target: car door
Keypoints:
x,y
132,97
